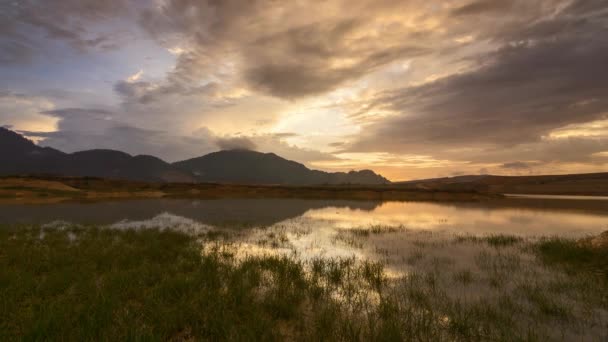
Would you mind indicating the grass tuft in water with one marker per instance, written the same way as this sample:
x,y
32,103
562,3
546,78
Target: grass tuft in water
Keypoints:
x,y
575,256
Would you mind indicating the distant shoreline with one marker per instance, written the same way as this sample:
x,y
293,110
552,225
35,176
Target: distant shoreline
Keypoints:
x,y
565,197
58,189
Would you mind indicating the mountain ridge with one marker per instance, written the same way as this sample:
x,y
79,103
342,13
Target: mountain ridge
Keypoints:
x,y
265,168
19,155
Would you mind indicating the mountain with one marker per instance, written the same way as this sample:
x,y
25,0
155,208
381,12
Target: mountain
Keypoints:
x,y
244,166
19,155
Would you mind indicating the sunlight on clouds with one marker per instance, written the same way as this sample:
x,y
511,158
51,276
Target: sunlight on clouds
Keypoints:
x,y
317,122
25,113
176,50
135,77
246,115
464,39
386,159
597,128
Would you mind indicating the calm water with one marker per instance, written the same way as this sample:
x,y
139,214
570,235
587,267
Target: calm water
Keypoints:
x,y
521,216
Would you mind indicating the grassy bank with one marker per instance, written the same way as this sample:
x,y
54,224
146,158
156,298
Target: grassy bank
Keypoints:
x,y
57,189
91,283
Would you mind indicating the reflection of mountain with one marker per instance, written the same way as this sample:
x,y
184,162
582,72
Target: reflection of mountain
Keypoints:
x,y
214,212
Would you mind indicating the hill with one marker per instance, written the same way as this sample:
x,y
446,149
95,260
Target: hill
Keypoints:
x,y
569,184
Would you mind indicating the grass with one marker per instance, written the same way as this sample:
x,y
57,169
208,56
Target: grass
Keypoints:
x,y
375,229
91,283
494,240
575,256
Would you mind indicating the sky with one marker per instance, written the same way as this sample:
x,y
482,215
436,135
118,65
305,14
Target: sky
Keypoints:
x,y
409,88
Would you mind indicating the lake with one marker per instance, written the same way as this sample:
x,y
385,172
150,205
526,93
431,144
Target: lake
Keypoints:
x,y
518,216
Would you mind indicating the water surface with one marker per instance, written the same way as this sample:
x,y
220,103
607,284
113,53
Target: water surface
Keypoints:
x,y
520,216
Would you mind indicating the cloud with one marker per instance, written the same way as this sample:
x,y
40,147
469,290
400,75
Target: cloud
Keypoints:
x,y
235,143
452,85
26,112
483,6
516,165
28,25
135,77
285,49
544,76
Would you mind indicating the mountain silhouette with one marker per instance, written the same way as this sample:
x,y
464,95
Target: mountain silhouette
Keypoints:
x,y
245,166
20,156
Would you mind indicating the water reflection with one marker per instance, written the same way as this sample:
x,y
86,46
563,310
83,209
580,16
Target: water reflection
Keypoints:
x,y
468,219
510,216
221,212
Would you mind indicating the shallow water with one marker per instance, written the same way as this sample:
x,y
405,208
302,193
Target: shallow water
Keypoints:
x,y
519,216
408,238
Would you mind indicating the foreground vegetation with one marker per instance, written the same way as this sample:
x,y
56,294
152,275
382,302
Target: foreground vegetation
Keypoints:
x,y
93,283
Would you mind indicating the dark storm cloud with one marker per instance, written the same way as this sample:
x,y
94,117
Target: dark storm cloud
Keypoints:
x,y
297,62
303,78
516,165
75,113
27,25
548,74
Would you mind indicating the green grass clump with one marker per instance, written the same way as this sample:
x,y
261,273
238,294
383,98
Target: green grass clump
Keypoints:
x,y
576,256
375,229
496,240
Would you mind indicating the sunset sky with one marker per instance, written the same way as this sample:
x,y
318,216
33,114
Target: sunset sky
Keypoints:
x,y
408,88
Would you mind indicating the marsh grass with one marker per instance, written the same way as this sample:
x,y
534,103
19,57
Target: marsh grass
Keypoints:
x,y
575,256
89,283
375,229
494,240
